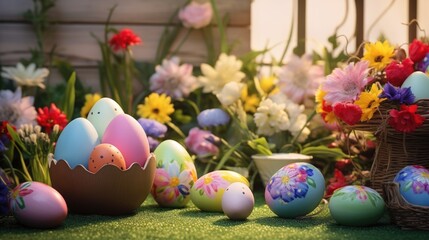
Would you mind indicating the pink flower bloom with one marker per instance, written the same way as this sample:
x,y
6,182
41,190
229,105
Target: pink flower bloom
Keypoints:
x,y
211,183
15,109
300,78
196,15
361,193
173,79
202,142
345,85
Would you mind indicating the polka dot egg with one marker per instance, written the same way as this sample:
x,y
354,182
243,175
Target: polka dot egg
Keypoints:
x,y
105,154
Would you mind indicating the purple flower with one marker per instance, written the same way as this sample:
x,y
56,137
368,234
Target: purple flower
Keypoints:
x,y
213,117
401,95
153,143
153,128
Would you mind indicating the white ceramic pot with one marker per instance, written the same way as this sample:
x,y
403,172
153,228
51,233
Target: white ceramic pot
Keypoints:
x,y
267,165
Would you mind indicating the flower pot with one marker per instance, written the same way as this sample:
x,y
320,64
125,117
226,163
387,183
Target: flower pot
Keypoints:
x,y
267,165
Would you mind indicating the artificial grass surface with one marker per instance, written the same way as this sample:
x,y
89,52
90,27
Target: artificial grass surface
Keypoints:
x,y
153,222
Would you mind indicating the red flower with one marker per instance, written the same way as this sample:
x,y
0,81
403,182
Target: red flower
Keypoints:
x,y
342,164
348,112
336,182
397,72
4,131
405,120
417,50
123,39
48,117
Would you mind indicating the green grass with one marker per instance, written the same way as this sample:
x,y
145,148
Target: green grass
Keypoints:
x,y
153,222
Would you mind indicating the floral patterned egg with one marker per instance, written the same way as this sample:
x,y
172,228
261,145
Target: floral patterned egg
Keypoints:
x,y
295,190
208,190
414,184
356,206
174,176
38,205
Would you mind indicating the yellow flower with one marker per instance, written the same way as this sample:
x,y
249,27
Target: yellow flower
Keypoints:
x,y
250,103
325,111
369,102
90,100
378,54
156,107
267,84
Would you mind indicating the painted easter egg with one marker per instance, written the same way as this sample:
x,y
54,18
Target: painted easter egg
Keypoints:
x,y
38,205
295,190
76,142
174,176
208,190
103,111
105,154
125,133
414,184
419,83
238,201
356,206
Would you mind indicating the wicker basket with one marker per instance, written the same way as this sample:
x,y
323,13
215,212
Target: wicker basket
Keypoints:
x,y
402,213
396,150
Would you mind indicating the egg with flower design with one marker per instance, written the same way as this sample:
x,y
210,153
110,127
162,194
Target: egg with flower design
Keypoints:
x,y
208,190
174,176
295,190
414,184
356,206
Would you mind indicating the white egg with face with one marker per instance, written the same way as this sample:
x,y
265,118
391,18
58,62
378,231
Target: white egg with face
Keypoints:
x,y
238,201
103,111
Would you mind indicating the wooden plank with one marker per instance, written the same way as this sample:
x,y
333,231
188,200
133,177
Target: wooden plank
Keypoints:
x,y
75,42
359,26
412,15
126,12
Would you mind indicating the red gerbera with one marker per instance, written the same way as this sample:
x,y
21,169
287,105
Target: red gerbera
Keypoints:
x,y
48,117
406,120
348,112
123,39
338,181
417,50
397,72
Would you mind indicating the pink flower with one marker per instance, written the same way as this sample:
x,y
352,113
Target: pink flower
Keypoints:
x,y
196,15
300,78
345,85
173,79
211,183
202,142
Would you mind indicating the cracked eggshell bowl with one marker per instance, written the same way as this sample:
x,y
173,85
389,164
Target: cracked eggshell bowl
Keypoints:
x,y
110,191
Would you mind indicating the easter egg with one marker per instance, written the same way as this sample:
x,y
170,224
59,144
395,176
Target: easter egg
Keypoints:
x,y
295,190
419,83
75,143
174,176
208,190
125,133
105,154
238,201
103,111
38,205
414,184
356,206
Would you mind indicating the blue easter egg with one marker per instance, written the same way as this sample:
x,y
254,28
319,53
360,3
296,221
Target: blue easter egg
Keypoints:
x,y
295,190
414,184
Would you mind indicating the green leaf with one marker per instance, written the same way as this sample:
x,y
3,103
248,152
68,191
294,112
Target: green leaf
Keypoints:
x,y
408,186
69,97
324,152
311,182
226,156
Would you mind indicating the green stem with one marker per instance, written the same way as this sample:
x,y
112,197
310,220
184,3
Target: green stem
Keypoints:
x,y
182,42
223,42
128,81
292,24
176,129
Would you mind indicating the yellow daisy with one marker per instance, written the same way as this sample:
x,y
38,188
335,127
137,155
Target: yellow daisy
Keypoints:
x,y
90,100
369,102
267,84
324,110
250,103
378,54
156,107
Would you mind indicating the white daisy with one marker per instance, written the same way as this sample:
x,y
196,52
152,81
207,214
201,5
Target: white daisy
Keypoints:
x,y
271,118
30,76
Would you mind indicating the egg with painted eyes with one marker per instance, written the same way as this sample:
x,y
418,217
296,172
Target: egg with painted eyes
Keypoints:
x,y
356,206
103,111
208,190
295,190
238,201
414,184
175,174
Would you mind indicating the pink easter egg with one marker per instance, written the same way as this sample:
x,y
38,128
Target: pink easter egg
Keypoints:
x,y
38,205
125,133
